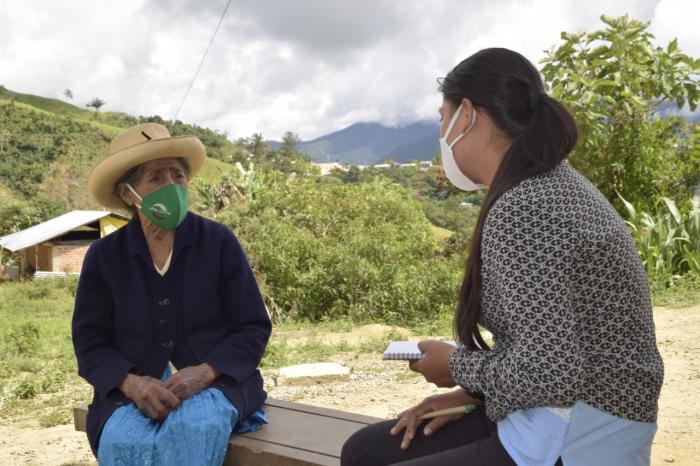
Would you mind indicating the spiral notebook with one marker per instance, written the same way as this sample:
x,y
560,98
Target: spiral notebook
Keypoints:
x,y
402,351
405,350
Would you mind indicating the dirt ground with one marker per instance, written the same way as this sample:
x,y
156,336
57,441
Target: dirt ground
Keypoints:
x,y
373,390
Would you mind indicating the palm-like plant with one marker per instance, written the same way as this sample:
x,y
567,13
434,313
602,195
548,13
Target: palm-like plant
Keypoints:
x,y
668,242
96,104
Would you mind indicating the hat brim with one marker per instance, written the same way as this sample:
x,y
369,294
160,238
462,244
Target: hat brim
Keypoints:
x,y
104,176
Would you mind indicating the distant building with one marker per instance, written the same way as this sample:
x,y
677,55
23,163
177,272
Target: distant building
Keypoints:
x,y
382,166
57,247
326,168
424,165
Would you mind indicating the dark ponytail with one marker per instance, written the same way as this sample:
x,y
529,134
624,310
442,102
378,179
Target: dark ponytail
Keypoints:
x,y
507,87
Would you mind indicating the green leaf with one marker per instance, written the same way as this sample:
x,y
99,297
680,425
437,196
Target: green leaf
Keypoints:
x,y
672,46
672,208
631,212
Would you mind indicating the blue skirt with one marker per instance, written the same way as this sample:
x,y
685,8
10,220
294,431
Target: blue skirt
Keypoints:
x,y
194,434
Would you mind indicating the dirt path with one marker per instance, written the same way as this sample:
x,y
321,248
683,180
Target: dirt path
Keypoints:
x,y
678,438
373,391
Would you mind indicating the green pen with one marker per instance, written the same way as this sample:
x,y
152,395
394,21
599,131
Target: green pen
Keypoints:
x,y
466,409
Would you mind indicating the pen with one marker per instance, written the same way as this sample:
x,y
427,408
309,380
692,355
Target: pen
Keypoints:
x,y
466,409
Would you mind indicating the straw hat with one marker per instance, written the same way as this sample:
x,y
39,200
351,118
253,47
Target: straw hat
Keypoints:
x,y
135,146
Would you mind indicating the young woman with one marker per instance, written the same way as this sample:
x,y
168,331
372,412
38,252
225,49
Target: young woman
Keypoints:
x,y
574,373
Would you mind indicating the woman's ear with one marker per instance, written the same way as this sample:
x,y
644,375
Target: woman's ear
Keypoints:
x,y
463,122
126,195
467,109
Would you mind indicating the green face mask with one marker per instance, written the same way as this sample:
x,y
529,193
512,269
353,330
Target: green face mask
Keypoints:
x,y
165,207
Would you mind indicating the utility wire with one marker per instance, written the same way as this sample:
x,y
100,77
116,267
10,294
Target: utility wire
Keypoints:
x,y
211,41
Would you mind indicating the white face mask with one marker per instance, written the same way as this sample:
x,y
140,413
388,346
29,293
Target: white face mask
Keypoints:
x,y
449,164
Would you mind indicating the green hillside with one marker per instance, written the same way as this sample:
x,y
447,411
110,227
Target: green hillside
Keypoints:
x,y
48,147
62,108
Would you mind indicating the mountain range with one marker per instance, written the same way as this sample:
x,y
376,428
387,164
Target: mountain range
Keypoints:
x,y
372,143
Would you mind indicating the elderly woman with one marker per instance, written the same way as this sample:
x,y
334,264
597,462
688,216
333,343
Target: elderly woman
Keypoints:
x,y
170,288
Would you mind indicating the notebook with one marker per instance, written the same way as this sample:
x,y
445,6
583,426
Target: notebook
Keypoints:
x,y
402,350
405,350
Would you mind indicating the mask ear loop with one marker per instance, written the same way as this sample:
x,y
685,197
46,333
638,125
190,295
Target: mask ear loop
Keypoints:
x,y
135,194
454,120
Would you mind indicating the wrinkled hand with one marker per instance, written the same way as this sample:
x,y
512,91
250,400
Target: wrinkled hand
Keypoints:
x,y
191,380
149,395
150,229
435,363
408,420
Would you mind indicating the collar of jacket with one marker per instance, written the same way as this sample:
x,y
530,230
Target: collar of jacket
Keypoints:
x,y
184,236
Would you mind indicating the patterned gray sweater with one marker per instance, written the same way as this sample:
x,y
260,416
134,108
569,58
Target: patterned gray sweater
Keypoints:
x,y
566,297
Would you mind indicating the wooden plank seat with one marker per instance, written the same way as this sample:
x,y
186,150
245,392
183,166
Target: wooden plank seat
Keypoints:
x,y
298,435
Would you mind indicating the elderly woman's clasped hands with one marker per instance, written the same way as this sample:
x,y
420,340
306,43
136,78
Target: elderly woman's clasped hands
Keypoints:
x,y
158,398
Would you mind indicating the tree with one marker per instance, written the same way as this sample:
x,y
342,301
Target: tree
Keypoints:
x,y
68,93
254,144
289,142
621,89
257,143
96,104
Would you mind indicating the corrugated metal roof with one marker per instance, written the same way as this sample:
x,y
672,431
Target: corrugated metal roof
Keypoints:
x,y
51,228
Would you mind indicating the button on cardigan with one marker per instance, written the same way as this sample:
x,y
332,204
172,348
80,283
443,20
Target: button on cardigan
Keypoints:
x,y
126,315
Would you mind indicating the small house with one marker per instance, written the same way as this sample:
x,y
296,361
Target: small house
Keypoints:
x,y
57,247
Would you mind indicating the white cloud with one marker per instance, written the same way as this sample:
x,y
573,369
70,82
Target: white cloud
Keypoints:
x,y
678,19
310,66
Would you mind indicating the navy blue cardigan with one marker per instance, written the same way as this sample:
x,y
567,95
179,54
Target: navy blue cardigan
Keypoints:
x,y
126,315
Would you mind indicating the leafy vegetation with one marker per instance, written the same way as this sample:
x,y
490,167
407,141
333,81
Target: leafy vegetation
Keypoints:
x,y
444,205
362,251
622,89
667,239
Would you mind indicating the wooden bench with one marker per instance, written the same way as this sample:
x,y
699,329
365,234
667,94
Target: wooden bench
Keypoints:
x,y
298,435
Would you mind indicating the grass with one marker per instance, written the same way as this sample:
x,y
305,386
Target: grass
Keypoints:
x,y
441,233
101,124
281,352
37,365
212,170
47,104
676,292
62,108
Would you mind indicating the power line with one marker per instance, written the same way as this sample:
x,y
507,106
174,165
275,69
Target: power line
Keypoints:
x,y
211,41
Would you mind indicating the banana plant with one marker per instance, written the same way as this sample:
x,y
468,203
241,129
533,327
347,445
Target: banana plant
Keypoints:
x,y
668,241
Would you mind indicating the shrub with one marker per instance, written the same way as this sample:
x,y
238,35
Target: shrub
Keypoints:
x,y
23,339
51,382
623,88
365,252
668,240
26,389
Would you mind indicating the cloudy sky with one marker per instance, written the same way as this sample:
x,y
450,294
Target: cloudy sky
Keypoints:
x,y
309,66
